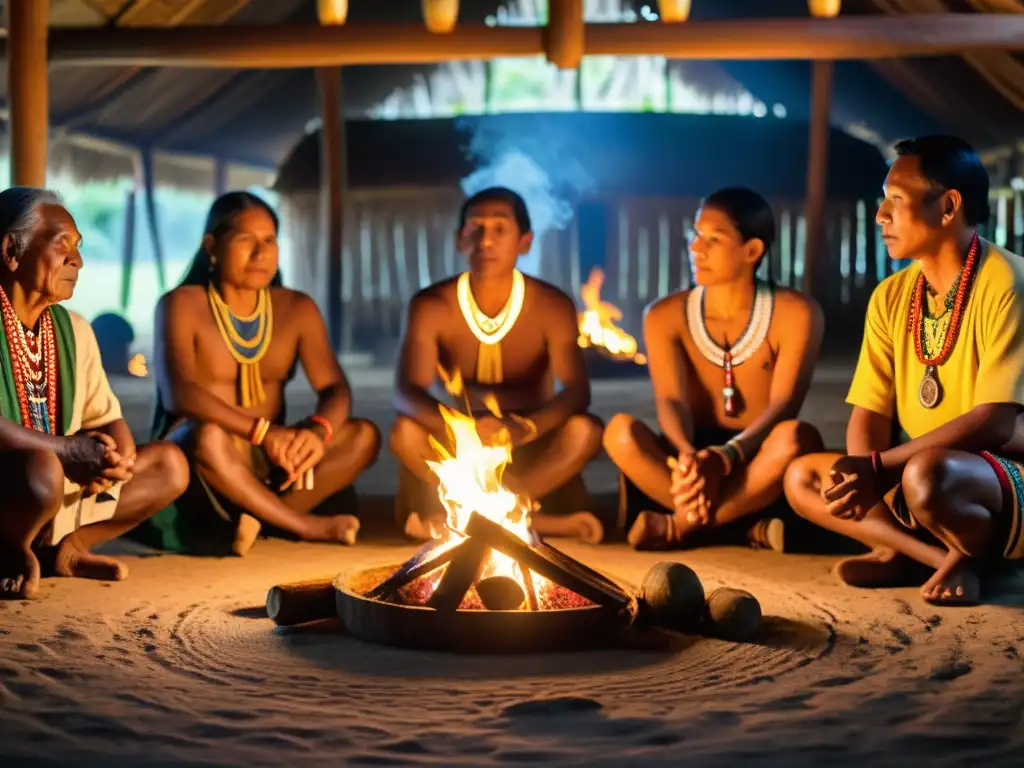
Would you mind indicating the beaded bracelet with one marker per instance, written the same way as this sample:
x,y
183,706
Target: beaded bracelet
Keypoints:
x,y
324,424
728,454
259,431
741,456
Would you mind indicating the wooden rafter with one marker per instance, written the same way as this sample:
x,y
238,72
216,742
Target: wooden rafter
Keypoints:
x,y
288,46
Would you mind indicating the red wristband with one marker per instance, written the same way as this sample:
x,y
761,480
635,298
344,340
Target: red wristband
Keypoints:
x,y
324,424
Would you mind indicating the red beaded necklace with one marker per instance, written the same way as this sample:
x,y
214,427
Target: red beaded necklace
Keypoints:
x,y
930,391
34,367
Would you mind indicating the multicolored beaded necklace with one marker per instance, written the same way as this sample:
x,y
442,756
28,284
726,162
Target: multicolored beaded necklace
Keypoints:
x,y
734,355
34,367
929,394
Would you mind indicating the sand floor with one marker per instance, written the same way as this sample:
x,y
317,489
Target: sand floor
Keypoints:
x,y
179,664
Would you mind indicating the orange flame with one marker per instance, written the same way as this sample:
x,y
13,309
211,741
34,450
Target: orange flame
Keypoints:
x,y
598,323
137,366
470,480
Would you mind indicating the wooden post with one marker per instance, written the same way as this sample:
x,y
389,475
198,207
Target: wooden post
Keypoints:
x,y
220,176
152,220
128,249
332,185
563,36
27,90
816,191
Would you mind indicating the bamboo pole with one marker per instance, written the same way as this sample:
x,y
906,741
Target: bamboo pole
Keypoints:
x,y
282,46
332,185
27,90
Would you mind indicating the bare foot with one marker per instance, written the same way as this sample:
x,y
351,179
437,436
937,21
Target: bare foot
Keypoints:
x,y
880,567
19,574
73,561
658,530
246,533
341,529
579,525
422,527
954,583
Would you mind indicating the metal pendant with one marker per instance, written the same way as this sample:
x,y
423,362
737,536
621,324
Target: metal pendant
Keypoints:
x,y
930,391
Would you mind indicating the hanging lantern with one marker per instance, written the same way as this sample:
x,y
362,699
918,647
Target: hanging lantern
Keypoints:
x,y
440,16
674,10
332,11
824,9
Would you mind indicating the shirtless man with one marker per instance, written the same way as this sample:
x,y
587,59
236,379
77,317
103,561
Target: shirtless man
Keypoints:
x,y
936,394
227,342
731,362
532,330
71,476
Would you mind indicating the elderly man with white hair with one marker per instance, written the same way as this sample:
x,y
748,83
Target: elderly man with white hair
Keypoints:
x,y
71,476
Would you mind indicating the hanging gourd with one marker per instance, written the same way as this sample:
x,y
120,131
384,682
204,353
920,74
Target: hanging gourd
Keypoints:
x,y
440,16
332,11
674,10
824,9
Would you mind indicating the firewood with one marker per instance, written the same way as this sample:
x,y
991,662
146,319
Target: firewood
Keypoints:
x,y
544,563
531,590
420,564
462,571
301,602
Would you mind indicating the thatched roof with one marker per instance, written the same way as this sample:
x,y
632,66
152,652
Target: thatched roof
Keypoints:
x,y
253,118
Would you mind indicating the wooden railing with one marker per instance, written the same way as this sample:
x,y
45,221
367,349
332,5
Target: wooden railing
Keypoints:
x,y
398,241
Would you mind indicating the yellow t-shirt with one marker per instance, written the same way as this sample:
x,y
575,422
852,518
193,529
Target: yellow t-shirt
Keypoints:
x,y
986,364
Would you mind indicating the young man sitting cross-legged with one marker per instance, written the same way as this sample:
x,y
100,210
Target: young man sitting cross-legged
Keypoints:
x,y
942,361
731,362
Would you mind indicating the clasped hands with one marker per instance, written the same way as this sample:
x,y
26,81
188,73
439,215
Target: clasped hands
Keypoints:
x,y
519,430
92,460
296,450
855,488
696,481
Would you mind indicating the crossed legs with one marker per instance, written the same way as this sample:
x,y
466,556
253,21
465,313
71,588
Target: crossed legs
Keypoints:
x,y
954,496
34,494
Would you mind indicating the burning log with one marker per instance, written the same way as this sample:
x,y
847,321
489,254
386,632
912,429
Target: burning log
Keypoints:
x,y
420,564
565,573
301,602
462,572
597,324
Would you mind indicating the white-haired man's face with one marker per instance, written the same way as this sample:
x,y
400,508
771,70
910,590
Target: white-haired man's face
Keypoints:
x,y
47,266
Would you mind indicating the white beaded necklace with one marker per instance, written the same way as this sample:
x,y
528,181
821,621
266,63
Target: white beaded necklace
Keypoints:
x,y
491,330
753,335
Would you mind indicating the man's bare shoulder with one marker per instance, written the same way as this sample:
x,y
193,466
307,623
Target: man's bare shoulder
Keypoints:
x,y
549,296
184,300
293,301
796,311
434,301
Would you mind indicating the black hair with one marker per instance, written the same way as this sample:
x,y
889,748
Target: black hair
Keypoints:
x,y
748,212
949,162
499,195
218,222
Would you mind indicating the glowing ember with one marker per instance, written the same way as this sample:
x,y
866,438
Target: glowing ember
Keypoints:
x,y
137,366
597,323
470,480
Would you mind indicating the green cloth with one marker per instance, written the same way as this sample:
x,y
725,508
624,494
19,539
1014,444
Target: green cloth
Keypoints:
x,y
66,374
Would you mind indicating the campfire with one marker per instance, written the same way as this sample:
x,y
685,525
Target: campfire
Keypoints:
x,y
597,324
488,557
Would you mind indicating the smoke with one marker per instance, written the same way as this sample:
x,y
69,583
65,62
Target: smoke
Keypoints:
x,y
532,160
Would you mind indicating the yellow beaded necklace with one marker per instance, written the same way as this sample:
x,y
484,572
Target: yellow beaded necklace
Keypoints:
x,y
489,331
247,339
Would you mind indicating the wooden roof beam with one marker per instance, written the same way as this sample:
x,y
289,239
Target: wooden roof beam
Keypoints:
x,y
282,46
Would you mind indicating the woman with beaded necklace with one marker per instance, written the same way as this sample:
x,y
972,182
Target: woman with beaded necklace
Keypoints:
x,y
731,362
927,483
228,341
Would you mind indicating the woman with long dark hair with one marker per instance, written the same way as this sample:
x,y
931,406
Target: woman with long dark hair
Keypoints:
x,y
228,340
731,361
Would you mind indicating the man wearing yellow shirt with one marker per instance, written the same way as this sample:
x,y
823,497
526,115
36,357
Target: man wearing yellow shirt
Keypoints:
x,y
936,393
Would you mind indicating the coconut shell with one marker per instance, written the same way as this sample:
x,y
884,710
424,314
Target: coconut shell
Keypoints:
x,y
673,596
500,593
733,614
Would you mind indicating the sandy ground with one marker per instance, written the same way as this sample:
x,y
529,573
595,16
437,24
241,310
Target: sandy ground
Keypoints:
x,y
178,664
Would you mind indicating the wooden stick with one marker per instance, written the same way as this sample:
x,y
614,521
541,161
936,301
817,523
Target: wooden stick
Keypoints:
x,y
462,572
290,46
419,565
546,565
568,562
531,590
301,602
